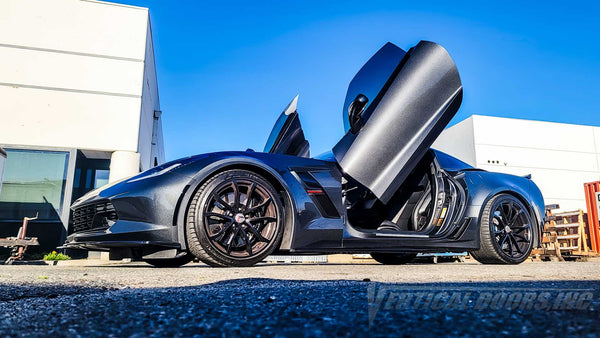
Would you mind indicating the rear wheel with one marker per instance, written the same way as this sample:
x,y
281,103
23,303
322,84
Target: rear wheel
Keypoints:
x,y
506,232
393,258
234,219
181,259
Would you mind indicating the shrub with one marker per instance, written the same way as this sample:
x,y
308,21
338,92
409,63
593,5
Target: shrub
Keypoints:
x,y
54,256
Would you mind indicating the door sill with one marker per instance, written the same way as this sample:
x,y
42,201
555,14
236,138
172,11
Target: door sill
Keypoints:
x,y
399,234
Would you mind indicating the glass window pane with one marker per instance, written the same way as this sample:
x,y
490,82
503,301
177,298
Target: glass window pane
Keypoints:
x,y
34,181
77,178
275,132
88,179
101,178
372,77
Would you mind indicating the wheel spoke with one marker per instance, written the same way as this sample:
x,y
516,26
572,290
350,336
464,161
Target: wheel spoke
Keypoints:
x,y
510,247
503,215
503,240
236,194
219,200
263,218
511,210
520,229
264,204
249,195
516,235
216,214
258,235
247,241
514,218
221,233
233,237
516,244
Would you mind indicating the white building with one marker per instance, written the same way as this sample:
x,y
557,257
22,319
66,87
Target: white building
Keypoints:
x,y
560,157
2,160
78,105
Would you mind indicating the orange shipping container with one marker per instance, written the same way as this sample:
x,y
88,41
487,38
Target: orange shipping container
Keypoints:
x,y
592,201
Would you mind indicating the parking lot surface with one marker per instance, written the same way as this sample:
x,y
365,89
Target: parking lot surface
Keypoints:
x,y
293,300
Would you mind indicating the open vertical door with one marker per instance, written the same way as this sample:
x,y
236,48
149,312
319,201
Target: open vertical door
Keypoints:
x,y
396,106
287,137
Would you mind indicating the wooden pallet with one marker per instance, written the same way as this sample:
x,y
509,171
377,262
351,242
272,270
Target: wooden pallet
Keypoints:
x,y
563,237
11,242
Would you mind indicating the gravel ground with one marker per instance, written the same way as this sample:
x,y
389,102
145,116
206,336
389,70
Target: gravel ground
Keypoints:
x,y
301,300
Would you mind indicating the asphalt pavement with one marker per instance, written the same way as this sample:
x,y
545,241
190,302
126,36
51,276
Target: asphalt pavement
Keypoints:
x,y
292,300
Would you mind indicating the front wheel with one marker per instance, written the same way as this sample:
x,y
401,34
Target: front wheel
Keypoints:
x,y
235,219
506,232
393,258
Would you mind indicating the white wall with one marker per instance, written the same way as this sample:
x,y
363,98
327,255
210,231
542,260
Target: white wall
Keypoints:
x,y
458,141
77,74
2,161
560,157
54,118
150,104
87,27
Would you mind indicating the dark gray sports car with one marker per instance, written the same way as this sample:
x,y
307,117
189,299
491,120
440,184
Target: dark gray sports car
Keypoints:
x,y
381,190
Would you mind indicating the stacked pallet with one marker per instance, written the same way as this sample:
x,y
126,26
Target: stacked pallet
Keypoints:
x,y
564,236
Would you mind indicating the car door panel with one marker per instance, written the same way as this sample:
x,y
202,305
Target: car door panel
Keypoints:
x,y
417,101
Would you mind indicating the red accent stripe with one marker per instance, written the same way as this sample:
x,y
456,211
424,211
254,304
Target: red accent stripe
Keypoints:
x,y
315,191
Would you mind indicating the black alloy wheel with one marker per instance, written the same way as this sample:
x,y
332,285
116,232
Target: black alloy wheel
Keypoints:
x,y
240,218
512,229
506,232
235,219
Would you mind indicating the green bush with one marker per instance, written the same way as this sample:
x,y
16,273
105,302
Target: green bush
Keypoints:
x,y
54,256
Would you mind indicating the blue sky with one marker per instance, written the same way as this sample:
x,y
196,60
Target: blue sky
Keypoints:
x,y
227,69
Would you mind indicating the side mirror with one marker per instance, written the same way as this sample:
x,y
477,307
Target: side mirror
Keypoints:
x,y
355,111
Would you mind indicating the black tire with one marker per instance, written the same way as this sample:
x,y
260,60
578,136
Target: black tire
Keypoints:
x,y
224,229
181,259
506,231
393,258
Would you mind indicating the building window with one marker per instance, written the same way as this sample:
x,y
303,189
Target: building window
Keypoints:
x,y
101,178
34,182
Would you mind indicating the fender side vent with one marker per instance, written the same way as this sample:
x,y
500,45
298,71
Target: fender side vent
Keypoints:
x,y
325,206
317,195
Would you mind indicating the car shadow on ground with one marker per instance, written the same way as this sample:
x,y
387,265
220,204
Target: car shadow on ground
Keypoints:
x,y
141,264
271,307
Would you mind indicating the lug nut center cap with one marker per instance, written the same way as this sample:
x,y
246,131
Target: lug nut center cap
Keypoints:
x,y
239,218
507,229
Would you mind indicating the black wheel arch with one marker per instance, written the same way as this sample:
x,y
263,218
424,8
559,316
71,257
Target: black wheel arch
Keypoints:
x,y
252,165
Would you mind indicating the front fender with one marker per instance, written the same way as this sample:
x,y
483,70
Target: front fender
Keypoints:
x,y
198,175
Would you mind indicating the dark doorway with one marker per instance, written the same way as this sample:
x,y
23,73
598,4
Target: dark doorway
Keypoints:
x,y
90,173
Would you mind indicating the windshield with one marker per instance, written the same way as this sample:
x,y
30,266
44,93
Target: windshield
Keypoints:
x,y
372,77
